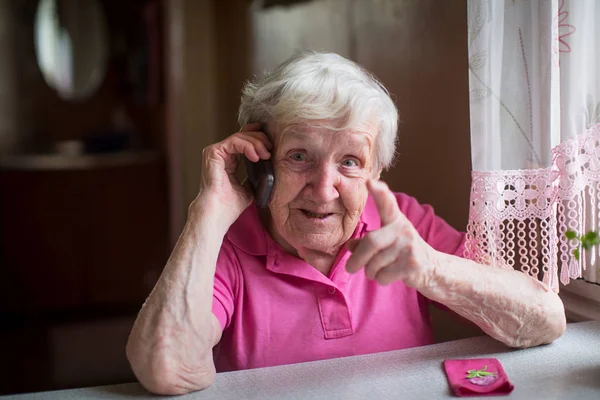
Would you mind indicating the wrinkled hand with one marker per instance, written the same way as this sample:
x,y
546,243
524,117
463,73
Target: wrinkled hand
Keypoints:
x,y
219,163
394,252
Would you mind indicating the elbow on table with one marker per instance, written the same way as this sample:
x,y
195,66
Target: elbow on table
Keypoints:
x,y
170,384
163,378
556,320
552,325
167,382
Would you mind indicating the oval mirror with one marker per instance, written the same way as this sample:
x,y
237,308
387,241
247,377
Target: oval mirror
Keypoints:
x,y
71,46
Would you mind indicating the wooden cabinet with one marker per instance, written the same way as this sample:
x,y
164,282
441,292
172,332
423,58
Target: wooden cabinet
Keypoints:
x,y
82,239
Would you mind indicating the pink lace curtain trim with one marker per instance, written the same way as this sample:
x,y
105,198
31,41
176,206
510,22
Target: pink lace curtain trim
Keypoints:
x,y
518,218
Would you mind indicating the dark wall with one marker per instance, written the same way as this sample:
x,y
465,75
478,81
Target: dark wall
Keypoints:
x,y
418,50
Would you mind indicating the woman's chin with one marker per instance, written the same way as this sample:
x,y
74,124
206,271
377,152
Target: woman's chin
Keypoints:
x,y
323,243
325,235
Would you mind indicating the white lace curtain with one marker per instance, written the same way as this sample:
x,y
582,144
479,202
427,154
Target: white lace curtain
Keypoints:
x,y
535,134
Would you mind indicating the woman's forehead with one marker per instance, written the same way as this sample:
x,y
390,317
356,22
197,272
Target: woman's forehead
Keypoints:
x,y
364,134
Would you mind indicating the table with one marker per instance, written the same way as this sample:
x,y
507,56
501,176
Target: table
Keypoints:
x,y
569,368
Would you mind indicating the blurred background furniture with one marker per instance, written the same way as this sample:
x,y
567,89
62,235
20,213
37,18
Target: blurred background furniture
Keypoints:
x,y
84,194
96,174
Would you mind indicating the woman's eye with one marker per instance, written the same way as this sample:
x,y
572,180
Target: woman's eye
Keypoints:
x,y
298,157
349,162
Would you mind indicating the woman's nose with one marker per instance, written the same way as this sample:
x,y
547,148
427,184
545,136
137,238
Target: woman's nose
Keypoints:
x,y
322,187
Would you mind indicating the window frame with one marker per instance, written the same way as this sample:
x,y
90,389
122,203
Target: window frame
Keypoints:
x,y
581,300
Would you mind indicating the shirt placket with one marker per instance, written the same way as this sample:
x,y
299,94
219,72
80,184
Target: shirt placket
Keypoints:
x,y
334,308
334,304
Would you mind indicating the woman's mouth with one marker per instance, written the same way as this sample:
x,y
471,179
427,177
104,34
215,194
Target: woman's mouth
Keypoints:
x,y
311,214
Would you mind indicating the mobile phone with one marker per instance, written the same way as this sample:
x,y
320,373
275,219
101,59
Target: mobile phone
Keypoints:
x,y
261,178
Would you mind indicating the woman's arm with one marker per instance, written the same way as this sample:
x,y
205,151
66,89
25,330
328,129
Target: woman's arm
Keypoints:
x,y
506,304
170,345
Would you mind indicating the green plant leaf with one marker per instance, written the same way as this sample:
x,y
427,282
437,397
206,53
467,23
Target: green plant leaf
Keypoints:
x,y
586,244
571,235
591,235
593,238
576,254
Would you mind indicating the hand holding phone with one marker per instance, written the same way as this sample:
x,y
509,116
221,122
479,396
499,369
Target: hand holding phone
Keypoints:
x,y
261,178
219,186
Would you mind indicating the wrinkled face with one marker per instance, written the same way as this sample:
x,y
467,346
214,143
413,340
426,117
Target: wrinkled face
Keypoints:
x,y
320,185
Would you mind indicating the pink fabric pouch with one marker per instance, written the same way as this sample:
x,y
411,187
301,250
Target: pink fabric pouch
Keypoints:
x,y
477,377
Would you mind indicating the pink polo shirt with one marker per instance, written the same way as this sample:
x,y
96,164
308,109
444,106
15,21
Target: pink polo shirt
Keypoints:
x,y
276,309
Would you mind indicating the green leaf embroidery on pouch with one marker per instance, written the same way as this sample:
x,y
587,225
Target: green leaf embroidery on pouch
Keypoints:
x,y
479,373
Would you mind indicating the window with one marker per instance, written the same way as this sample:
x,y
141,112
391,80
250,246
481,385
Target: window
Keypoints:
x,y
581,299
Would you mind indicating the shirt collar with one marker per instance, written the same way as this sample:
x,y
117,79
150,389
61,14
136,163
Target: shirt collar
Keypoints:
x,y
248,233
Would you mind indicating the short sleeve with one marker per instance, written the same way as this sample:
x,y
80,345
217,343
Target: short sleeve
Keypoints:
x,y
225,286
433,229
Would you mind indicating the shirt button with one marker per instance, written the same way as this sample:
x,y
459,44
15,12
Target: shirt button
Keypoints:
x,y
332,290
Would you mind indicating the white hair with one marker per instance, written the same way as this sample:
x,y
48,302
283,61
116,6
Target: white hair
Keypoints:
x,y
319,86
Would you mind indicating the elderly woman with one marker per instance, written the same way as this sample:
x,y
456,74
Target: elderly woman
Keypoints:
x,y
336,265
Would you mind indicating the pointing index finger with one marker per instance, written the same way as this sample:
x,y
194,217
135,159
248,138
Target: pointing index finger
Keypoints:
x,y
386,203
